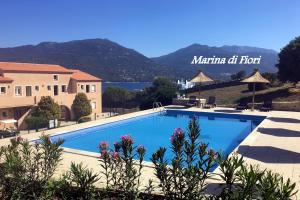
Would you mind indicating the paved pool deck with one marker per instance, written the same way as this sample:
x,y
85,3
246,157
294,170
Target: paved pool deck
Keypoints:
x,y
274,144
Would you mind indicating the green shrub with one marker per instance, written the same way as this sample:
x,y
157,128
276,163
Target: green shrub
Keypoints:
x,y
229,166
120,169
84,119
26,168
36,123
77,183
249,182
47,108
81,106
185,177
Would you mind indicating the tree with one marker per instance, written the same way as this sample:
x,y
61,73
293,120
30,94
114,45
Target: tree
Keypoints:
x,y
47,109
36,122
273,78
81,106
162,90
114,97
239,75
289,61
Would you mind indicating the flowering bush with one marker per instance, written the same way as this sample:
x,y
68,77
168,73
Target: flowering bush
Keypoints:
x,y
185,177
122,172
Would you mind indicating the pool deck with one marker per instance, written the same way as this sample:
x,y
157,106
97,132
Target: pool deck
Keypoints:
x,y
274,144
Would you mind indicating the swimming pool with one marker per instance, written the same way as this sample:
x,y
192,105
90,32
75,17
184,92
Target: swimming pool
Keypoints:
x,y
223,132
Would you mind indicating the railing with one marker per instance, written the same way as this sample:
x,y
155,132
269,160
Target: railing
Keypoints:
x,y
159,106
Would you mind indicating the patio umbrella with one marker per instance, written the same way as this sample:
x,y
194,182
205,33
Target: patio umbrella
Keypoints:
x,y
200,78
256,77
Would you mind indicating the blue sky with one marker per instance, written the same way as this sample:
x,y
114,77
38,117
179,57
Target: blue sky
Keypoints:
x,y
153,27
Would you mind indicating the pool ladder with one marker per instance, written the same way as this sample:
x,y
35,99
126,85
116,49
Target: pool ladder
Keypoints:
x,y
158,106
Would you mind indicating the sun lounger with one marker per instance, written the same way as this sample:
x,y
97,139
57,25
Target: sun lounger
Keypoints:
x,y
243,105
8,133
192,101
211,103
267,106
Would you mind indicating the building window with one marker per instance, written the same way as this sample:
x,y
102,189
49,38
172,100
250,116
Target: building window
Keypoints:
x,y
93,105
28,91
64,88
93,88
4,114
87,88
2,90
49,87
55,77
82,87
37,88
18,90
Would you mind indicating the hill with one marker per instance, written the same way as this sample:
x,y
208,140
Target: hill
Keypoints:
x,y
100,57
180,60
113,62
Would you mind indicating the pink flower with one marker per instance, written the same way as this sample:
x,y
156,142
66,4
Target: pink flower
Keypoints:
x,y
19,139
178,135
115,155
103,145
214,155
141,149
127,139
104,154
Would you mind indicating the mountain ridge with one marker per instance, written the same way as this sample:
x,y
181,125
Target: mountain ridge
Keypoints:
x,y
114,62
181,59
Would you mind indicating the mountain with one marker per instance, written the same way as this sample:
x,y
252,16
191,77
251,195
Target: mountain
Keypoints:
x,y
180,60
113,62
100,57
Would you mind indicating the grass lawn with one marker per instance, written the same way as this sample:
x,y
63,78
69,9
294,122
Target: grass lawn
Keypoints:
x,y
230,95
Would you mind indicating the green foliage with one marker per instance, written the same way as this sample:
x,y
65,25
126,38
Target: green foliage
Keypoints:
x,y
77,183
81,106
84,119
114,97
162,90
26,168
229,167
185,177
47,108
289,65
36,122
273,78
249,182
239,75
120,169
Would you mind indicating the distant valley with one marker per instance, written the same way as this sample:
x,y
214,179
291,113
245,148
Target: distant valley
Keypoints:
x,y
113,62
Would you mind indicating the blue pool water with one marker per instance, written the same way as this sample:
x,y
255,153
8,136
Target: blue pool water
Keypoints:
x,y
223,132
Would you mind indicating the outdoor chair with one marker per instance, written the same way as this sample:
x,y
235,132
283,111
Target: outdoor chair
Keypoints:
x,y
211,103
8,133
243,105
192,101
267,106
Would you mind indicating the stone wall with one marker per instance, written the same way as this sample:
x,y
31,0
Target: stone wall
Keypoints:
x,y
287,106
282,106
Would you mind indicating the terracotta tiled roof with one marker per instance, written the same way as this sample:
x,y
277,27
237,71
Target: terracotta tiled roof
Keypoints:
x,y
82,76
43,68
5,79
30,67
